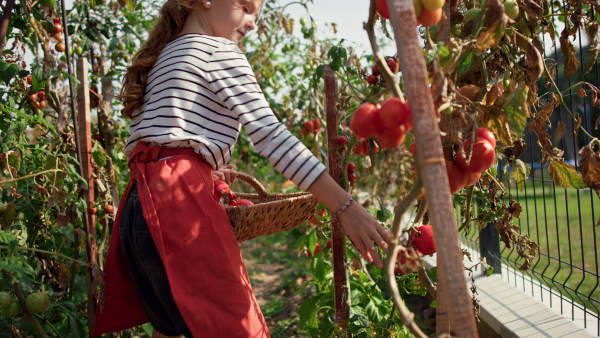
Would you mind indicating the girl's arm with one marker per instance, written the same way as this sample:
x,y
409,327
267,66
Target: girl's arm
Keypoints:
x,y
362,228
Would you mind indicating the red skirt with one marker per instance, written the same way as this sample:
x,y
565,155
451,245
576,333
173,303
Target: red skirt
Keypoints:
x,y
197,246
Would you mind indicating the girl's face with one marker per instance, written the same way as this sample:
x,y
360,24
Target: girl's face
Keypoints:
x,y
233,19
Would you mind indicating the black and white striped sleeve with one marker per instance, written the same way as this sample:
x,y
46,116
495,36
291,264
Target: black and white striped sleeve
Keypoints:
x,y
231,78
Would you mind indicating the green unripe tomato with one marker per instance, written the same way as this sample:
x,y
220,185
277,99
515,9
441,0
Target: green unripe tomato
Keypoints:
x,y
4,296
511,8
12,310
472,14
310,136
417,5
78,50
48,3
121,46
303,21
37,302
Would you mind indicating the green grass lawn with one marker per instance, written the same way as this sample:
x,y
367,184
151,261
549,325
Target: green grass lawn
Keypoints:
x,y
562,222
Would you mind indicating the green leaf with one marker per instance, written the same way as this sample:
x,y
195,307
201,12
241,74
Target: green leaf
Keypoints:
x,y
7,236
565,175
308,312
8,71
382,214
318,269
465,63
516,109
98,155
521,171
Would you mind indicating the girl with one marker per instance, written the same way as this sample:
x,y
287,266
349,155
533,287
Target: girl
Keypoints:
x,y
175,260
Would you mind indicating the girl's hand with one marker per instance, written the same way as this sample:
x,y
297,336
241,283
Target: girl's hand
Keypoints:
x,y
365,232
225,174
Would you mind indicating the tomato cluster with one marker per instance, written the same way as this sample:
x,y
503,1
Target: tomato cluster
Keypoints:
x,y
390,122
428,12
375,72
310,129
38,100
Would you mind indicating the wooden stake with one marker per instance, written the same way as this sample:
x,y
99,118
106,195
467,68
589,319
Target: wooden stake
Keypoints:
x,y
339,269
430,159
84,139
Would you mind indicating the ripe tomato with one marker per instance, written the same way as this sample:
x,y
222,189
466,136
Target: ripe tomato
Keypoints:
x,y
109,209
482,157
375,70
37,302
394,113
318,249
303,131
242,202
313,220
43,104
342,140
423,239
457,177
309,125
391,138
33,97
351,167
372,79
429,18
472,179
93,210
363,122
317,124
29,79
59,47
56,21
487,135
392,64
57,28
382,8
322,212
352,178
407,261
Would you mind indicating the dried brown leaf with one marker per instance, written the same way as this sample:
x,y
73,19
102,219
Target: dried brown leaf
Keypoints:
x,y
41,189
496,24
581,92
532,8
589,164
559,132
594,46
568,51
536,62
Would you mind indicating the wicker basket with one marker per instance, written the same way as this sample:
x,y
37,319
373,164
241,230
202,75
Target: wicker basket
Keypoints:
x,y
271,213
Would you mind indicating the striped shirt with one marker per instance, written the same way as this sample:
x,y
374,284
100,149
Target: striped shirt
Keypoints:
x,y
199,94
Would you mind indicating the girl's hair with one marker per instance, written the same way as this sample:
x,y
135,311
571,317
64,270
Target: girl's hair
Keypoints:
x,y
171,19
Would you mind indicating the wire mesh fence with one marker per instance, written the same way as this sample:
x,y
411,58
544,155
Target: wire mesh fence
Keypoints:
x,y
561,221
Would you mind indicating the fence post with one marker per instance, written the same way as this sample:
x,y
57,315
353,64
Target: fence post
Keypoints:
x,y
489,246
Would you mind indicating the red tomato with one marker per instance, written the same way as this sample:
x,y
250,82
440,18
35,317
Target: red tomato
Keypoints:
x,y
375,70
392,64
33,97
391,138
394,113
429,18
56,21
309,125
242,202
57,28
303,131
363,122
352,178
322,212
382,8
317,124
372,79
351,167
457,177
329,243
472,179
318,249
109,209
482,158
487,135
29,79
342,140
423,239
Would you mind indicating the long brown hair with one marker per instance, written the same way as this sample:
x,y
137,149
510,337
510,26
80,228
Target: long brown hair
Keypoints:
x,y
171,19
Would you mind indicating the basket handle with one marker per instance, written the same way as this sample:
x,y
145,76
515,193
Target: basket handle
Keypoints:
x,y
260,189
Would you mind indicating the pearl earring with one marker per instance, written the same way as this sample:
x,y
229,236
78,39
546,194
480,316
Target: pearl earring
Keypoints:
x,y
207,5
